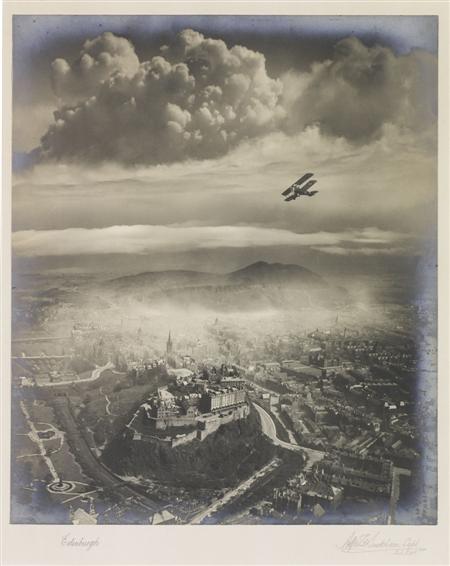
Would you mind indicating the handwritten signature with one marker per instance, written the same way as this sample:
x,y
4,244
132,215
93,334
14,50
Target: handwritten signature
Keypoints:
x,y
79,542
377,542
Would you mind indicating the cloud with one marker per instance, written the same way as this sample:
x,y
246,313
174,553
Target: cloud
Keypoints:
x,y
200,98
389,183
28,123
339,250
197,99
99,59
141,239
359,91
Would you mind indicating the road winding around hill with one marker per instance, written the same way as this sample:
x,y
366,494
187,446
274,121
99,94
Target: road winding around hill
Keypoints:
x,y
269,429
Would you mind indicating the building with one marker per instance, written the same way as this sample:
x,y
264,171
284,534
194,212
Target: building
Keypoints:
x,y
371,475
238,382
169,346
214,400
163,517
81,517
189,404
170,355
301,493
297,369
211,422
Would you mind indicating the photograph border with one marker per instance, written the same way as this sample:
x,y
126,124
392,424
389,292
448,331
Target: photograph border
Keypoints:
x,y
281,544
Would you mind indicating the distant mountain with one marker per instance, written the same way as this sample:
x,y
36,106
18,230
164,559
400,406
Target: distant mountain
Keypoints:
x,y
260,285
263,273
164,279
259,273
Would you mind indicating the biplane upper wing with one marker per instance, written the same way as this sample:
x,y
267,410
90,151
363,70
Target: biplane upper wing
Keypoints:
x,y
305,177
297,184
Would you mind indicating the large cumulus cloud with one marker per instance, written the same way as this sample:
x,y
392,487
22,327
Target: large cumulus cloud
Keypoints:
x,y
199,98
362,89
196,100
99,59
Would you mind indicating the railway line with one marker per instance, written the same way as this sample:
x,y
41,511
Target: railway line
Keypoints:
x,y
97,471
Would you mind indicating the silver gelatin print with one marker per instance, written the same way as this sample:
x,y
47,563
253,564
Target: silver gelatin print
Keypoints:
x,y
224,270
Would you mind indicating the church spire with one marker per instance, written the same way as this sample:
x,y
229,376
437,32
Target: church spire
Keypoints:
x,y
169,345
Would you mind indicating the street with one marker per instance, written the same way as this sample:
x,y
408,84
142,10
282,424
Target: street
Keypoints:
x,y
269,429
237,491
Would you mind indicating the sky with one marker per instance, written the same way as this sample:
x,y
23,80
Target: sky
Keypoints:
x,y
146,143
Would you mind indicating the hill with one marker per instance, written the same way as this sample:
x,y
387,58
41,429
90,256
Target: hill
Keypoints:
x,y
263,273
223,459
163,280
258,286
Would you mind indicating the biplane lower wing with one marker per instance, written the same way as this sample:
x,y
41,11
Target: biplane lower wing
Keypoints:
x,y
308,185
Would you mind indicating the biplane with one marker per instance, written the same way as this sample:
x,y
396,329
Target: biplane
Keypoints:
x,y
300,188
